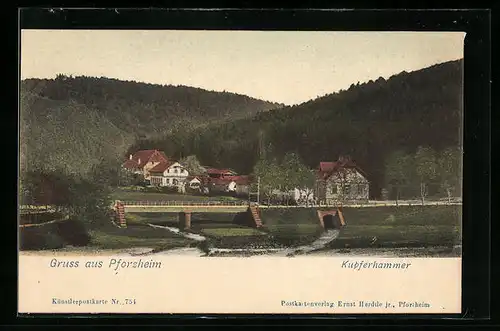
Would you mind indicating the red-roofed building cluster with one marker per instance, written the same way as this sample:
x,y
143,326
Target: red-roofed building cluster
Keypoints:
x,y
341,180
159,170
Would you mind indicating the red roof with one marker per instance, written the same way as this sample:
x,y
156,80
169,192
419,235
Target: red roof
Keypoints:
x,y
130,164
326,169
144,156
161,167
327,166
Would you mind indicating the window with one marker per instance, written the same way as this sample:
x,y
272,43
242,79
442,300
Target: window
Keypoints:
x,y
347,189
168,180
175,182
334,189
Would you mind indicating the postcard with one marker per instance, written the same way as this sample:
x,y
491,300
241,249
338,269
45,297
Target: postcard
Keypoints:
x,y
240,172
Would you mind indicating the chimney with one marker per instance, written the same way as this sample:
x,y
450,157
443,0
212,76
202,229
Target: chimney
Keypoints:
x,y
130,157
139,161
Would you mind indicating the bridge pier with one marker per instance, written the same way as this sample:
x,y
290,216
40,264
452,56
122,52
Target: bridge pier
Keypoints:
x,y
184,220
327,219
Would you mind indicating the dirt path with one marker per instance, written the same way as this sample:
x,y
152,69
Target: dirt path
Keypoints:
x,y
65,218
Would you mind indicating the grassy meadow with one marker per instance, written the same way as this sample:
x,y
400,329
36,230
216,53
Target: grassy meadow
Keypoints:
x,y
372,226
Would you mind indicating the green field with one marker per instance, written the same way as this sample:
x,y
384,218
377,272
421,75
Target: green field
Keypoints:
x,y
73,233
405,215
374,226
134,237
173,218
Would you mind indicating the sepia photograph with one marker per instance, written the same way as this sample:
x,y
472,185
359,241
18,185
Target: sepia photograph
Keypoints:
x,y
143,145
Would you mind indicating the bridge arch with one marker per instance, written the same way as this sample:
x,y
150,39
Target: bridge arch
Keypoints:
x,y
331,219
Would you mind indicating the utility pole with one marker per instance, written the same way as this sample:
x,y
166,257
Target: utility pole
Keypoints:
x,y
258,193
258,189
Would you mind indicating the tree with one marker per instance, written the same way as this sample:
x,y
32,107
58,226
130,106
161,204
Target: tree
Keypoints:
x,y
46,188
271,177
399,171
426,168
449,170
80,198
91,203
297,176
192,165
107,172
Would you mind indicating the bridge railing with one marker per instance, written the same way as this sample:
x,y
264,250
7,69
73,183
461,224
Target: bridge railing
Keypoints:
x,y
183,203
34,209
371,203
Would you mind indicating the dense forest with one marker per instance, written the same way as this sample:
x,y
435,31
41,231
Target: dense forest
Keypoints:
x,y
368,121
76,123
147,109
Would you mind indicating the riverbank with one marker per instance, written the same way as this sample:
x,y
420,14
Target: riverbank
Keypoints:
x,y
367,228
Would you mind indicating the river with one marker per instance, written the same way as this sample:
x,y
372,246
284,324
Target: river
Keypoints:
x,y
317,248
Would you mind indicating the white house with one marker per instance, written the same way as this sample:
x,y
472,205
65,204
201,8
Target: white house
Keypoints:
x,y
169,174
193,183
230,184
341,181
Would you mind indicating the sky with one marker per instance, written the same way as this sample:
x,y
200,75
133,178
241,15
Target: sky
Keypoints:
x,y
288,67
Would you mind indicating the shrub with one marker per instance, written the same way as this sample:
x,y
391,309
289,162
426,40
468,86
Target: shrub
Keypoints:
x,y
73,232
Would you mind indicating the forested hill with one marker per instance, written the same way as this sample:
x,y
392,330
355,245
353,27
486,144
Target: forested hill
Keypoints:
x,y
147,109
76,123
367,121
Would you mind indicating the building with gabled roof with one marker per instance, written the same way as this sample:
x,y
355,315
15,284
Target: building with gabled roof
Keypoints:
x,y
141,162
238,184
169,174
341,181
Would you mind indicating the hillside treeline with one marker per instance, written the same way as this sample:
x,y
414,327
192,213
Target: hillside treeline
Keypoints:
x,y
147,109
368,121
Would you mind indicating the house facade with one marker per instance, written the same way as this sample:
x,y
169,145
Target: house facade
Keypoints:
x,y
141,162
193,182
169,174
341,181
229,183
